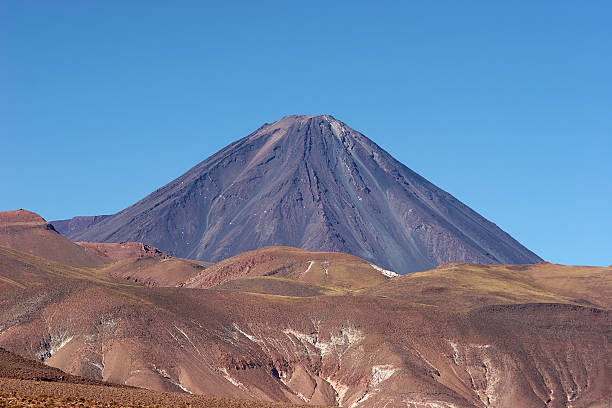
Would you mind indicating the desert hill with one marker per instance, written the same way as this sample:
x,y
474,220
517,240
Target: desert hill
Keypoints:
x,y
27,231
461,335
27,382
310,182
332,269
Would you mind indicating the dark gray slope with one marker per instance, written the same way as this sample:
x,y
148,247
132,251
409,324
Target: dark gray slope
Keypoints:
x,y
76,225
310,182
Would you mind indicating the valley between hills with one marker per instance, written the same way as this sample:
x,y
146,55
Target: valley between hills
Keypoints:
x,y
127,324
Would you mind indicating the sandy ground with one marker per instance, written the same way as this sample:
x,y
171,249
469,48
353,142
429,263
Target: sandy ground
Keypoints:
x,y
26,393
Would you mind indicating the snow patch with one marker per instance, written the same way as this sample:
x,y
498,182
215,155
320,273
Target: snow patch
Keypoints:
x,y
309,266
388,274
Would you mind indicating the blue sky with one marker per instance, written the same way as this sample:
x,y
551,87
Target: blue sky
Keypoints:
x,y
506,106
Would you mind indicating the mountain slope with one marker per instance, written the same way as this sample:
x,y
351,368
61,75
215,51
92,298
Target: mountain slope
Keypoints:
x,y
26,231
293,326
314,183
28,382
76,224
401,344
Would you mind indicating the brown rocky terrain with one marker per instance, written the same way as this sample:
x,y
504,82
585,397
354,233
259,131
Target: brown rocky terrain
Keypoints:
x,y
292,326
29,232
20,368
331,269
310,182
30,383
37,394
144,264
141,263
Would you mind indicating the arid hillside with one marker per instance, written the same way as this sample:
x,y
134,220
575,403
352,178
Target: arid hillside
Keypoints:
x,y
292,326
30,383
29,232
322,269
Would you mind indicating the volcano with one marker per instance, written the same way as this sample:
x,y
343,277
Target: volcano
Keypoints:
x,y
310,182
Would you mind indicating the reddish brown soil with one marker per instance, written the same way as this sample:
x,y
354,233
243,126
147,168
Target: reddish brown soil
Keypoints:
x,y
123,250
23,393
19,368
293,326
330,269
25,231
26,382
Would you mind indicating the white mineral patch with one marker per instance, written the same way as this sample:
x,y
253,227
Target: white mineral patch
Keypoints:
x,y
232,380
56,343
338,343
337,129
381,373
164,374
248,336
389,274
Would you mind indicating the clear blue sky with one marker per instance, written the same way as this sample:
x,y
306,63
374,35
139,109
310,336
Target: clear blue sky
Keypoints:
x,y
508,107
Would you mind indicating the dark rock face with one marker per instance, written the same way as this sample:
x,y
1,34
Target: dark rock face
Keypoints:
x,y
310,182
76,224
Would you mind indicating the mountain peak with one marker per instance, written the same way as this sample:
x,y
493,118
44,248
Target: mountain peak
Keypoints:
x,y
312,182
288,121
300,118
300,127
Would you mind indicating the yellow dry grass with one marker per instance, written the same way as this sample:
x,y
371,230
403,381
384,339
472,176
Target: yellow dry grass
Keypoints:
x,y
465,286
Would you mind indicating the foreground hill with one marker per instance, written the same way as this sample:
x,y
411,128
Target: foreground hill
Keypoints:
x,y
310,182
26,383
321,269
462,335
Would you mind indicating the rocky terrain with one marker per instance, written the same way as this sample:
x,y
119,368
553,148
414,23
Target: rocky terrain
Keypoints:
x,y
76,224
292,326
309,182
30,383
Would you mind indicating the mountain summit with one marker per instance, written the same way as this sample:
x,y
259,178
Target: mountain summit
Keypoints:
x,y
310,182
